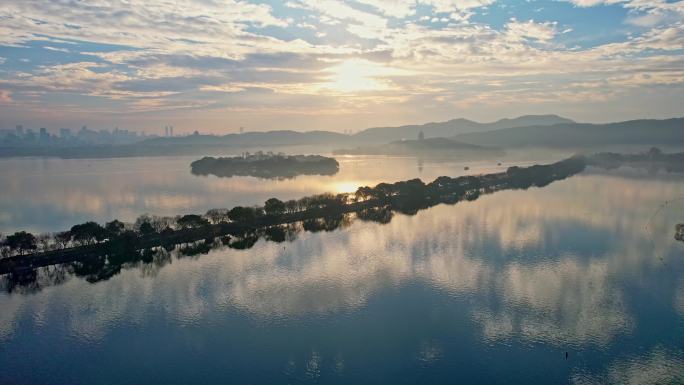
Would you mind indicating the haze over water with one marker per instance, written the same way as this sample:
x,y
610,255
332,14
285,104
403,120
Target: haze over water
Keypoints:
x,y
491,291
51,194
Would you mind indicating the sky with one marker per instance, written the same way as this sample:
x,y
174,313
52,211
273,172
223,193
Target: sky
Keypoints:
x,y
218,65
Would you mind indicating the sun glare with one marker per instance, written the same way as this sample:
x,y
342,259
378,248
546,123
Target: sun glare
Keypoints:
x,y
358,75
346,187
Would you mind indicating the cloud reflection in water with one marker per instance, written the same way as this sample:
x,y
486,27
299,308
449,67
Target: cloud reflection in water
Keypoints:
x,y
515,256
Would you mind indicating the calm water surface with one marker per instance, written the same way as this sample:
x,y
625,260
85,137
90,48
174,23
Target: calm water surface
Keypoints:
x,y
491,291
51,194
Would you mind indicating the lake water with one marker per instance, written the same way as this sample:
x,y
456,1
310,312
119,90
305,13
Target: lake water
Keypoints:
x,y
491,291
51,194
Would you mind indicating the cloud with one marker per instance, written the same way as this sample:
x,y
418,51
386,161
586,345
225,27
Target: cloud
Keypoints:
x,y
56,49
394,8
146,23
650,14
457,60
659,366
449,6
543,32
643,13
5,96
593,3
362,24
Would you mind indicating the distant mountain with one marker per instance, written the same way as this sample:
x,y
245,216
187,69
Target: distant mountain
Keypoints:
x,y
634,132
528,120
371,135
525,131
451,128
429,147
252,139
184,145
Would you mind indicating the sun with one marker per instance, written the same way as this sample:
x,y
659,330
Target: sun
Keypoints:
x,y
346,187
358,75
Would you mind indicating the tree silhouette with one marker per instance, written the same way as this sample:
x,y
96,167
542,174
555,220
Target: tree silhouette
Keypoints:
x,y
322,212
191,220
44,241
63,238
21,241
114,227
291,206
242,214
146,228
88,233
363,193
274,206
217,215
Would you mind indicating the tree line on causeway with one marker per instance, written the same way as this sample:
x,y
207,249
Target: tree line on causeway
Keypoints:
x,y
116,237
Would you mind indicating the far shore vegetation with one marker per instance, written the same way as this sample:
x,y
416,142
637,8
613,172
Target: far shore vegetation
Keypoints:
x,y
652,160
426,148
266,165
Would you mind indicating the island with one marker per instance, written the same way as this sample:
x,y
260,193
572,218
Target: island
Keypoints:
x,y
652,160
266,165
426,148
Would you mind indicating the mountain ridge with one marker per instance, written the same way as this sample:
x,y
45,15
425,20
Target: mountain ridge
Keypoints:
x,y
453,127
640,132
376,135
428,147
631,132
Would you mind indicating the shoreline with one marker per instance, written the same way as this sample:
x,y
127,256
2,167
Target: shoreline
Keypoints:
x,y
405,196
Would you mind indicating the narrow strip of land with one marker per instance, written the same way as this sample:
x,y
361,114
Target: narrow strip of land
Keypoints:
x,y
94,241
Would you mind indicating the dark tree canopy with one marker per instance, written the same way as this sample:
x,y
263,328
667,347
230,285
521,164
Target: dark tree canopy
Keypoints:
x,y
364,192
115,227
63,238
191,220
217,215
242,214
21,241
87,233
262,165
292,206
274,206
146,228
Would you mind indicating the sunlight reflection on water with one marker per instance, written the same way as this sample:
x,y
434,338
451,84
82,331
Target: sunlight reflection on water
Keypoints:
x,y
526,275
53,194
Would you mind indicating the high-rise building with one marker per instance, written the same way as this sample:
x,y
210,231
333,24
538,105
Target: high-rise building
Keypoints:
x,y
30,135
19,130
